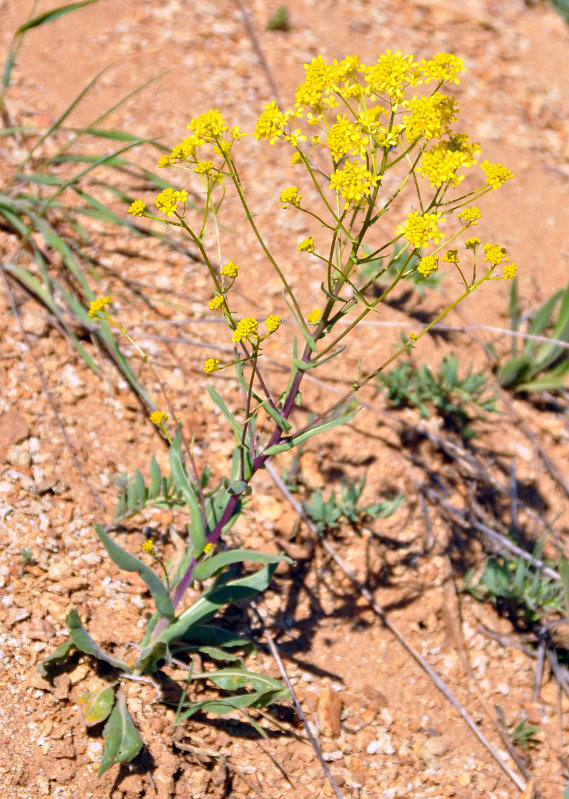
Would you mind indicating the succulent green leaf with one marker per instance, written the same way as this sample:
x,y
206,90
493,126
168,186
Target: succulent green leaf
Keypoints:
x,y
122,741
150,655
83,641
214,564
97,705
57,657
220,594
155,478
314,431
130,563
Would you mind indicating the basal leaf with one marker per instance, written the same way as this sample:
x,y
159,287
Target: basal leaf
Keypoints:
x,y
97,705
122,741
57,657
212,565
83,641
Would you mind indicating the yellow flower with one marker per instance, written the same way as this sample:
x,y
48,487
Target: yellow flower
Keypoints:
x,y
428,265
441,162
290,196
208,547
494,254
470,216
353,182
216,303
296,158
472,244
430,116
98,305
270,124
272,323
510,271
148,547
158,417
306,245
344,137
211,365
444,66
392,74
313,317
167,201
208,126
137,208
420,229
496,174
450,257
246,328
163,161
230,269
204,168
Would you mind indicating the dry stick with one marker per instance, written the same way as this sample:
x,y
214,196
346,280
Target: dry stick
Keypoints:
x,y
94,493
258,50
380,613
284,675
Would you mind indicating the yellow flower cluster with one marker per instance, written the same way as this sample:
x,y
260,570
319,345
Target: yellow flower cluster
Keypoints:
x,y
496,174
230,270
494,254
204,168
148,547
211,365
345,137
270,124
430,116
216,303
98,305
137,208
169,199
420,229
450,257
158,417
290,196
306,245
470,216
510,271
208,127
313,317
353,182
442,161
272,323
246,328
472,244
428,265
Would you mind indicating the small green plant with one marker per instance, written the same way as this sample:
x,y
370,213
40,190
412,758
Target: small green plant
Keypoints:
x,y
328,514
280,20
27,558
522,734
538,366
518,588
451,396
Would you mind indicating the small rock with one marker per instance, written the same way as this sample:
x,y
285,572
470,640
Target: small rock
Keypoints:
x,y
19,455
60,749
16,615
464,780
382,745
13,430
38,630
436,746
377,700
330,711
62,684
368,715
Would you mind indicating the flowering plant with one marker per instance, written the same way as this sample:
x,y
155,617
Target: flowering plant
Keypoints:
x,y
366,139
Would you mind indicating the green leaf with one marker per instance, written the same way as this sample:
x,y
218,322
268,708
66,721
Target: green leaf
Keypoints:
x,y
208,635
564,572
97,705
57,657
220,594
122,741
124,560
214,564
231,679
83,641
155,478
50,16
